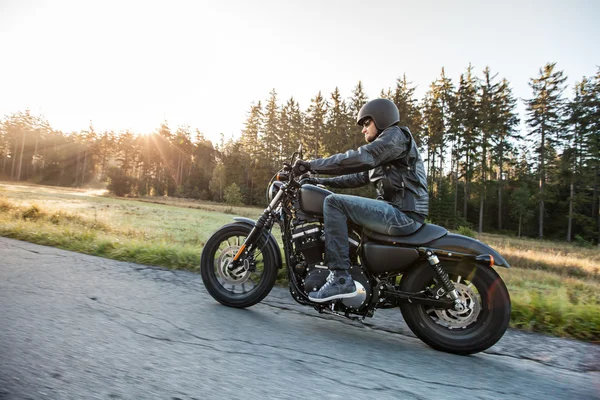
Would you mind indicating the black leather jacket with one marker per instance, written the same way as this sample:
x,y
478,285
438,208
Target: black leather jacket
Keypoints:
x,y
391,162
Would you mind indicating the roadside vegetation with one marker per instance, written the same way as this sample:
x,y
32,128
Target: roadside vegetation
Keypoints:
x,y
554,287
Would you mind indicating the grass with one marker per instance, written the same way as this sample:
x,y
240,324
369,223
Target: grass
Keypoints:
x,y
554,287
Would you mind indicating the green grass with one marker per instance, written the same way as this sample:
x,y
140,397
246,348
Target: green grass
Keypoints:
x,y
554,287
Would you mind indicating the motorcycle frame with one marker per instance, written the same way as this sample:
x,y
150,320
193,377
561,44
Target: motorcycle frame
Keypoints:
x,y
382,290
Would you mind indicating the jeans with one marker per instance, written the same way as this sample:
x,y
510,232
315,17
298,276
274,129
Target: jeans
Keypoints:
x,y
375,215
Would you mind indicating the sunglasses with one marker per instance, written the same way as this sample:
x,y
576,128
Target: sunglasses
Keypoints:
x,y
367,123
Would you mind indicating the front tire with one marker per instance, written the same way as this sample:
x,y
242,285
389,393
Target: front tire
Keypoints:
x,y
250,284
474,330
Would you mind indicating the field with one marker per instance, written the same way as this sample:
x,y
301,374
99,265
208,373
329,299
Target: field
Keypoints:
x,y
554,287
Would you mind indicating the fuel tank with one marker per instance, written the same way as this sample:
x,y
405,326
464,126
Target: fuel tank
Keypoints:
x,y
312,198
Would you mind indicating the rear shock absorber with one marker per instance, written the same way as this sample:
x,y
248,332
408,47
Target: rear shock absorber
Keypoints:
x,y
446,282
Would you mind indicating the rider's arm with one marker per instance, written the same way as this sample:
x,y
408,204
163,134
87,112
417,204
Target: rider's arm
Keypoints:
x,y
391,144
346,181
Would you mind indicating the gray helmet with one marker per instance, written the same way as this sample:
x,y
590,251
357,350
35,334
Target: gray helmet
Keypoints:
x,y
382,111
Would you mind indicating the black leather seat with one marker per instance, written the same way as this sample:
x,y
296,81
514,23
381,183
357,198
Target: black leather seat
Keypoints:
x,y
425,234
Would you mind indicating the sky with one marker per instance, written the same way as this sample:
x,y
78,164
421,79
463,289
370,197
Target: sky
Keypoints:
x,y
133,64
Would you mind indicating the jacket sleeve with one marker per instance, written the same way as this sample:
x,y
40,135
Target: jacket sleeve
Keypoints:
x,y
347,181
390,145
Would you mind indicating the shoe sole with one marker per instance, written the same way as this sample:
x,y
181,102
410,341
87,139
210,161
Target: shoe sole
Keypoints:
x,y
334,297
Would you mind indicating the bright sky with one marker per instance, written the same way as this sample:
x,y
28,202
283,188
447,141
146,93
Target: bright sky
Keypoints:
x,y
132,64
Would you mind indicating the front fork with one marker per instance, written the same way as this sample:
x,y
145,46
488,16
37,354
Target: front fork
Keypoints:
x,y
263,221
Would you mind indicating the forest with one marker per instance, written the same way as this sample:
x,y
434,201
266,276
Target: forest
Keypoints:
x,y
484,171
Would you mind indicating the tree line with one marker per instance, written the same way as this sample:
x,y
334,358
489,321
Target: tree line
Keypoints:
x,y
483,171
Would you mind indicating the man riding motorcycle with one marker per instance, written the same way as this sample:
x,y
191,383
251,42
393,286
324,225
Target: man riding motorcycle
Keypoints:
x,y
391,161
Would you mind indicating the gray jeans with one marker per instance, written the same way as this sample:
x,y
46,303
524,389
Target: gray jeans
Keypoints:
x,y
375,215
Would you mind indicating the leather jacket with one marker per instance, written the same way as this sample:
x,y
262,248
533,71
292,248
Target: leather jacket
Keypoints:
x,y
391,162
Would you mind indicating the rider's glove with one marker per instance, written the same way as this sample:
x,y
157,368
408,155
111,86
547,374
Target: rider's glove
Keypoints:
x,y
311,181
301,167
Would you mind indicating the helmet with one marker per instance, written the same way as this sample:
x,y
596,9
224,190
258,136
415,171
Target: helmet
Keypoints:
x,y
382,111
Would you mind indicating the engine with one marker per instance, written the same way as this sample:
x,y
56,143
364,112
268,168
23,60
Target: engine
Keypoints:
x,y
309,245
308,241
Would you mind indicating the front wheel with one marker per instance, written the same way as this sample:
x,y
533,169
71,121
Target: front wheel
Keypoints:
x,y
475,329
246,285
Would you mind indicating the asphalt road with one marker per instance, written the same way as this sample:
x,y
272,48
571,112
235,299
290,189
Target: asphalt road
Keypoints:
x,y
80,327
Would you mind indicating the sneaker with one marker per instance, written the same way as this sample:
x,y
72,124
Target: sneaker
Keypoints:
x,y
339,285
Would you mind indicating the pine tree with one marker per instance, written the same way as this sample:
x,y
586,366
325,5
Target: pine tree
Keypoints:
x,y
467,131
574,130
89,138
338,125
355,103
204,164
521,206
252,130
434,130
592,146
271,137
295,127
489,127
22,130
506,135
106,149
315,118
182,147
251,146
545,113
218,182
438,111
161,155
582,156
407,104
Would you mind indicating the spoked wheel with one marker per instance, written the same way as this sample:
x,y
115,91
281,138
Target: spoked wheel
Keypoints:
x,y
248,283
476,328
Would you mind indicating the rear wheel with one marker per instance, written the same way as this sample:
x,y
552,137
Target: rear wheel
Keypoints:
x,y
475,329
251,281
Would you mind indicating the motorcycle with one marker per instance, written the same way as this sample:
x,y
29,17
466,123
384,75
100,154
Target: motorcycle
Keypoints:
x,y
443,283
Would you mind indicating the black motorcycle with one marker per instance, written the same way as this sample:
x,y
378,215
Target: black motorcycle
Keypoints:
x,y
444,283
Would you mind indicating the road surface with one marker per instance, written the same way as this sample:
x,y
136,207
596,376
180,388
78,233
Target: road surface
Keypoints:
x,y
74,326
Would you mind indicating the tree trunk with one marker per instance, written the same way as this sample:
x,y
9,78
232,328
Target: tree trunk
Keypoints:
x,y
570,211
432,175
542,185
44,161
441,177
500,189
84,166
35,152
597,200
4,160
520,218
456,192
251,191
466,189
482,191
595,210
13,172
77,170
103,166
21,157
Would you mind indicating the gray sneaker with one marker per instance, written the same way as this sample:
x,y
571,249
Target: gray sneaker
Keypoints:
x,y
339,285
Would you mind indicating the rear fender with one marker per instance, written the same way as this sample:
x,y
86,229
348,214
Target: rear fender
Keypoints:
x,y
465,244
271,241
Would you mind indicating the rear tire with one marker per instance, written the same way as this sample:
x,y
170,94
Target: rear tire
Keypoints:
x,y
464,333
244,288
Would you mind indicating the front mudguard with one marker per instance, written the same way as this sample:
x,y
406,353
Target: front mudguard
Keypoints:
x,y
465,244
270,240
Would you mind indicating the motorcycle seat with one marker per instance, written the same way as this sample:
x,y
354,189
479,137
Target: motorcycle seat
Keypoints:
x,y
425,234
